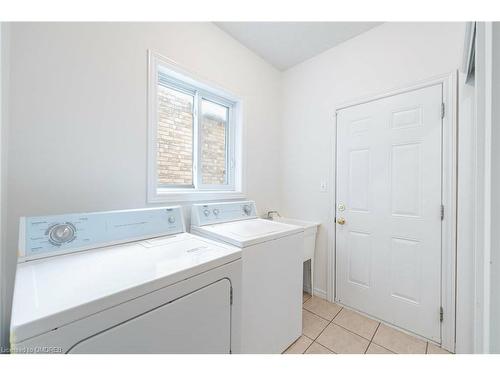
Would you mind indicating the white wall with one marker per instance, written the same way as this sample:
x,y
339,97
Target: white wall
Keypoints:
x,y
389,56
4,79
495,196
1,197
78,113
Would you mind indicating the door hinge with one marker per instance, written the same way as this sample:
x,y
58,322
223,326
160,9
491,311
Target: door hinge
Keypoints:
x,y
442,110
441,314
231,295
442,212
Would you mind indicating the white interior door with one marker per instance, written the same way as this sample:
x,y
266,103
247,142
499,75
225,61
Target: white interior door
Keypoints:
x,y
389,170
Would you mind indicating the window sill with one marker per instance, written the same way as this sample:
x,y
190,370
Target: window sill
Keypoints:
x,y
167,195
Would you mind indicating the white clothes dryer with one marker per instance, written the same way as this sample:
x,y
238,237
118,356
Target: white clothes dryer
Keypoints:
x,y
124,282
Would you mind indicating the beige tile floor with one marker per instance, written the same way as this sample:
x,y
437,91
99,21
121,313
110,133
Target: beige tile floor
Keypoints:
x,y
328,328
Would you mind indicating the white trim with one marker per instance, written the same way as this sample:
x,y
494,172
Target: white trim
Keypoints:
x,y
230,148
449,84
487,181
2,247
331,270
173,196
236,186
449,223
482,198
5,283
468,53
487,191
320,293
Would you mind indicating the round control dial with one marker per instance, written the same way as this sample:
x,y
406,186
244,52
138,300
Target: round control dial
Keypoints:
x,y
215,211
61,233
206,212
247,209
171,219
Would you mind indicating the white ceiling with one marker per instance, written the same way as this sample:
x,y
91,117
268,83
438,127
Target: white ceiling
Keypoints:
x,y
285,44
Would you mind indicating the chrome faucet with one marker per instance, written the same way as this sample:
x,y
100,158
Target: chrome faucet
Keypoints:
x,y
270,214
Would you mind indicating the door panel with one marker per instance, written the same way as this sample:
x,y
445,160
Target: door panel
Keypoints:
x,y
359,258
405,269
389,172
405,181
359,180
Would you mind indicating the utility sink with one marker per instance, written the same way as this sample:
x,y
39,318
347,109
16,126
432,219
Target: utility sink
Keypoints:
x,y
310,230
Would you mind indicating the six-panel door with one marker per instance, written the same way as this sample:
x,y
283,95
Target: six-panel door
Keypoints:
x,y
389,171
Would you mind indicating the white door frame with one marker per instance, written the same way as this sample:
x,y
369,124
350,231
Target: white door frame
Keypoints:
x,y
482,186
1,192
449,194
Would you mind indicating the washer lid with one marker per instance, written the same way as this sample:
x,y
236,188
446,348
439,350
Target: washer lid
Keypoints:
x,y
248,232
53,292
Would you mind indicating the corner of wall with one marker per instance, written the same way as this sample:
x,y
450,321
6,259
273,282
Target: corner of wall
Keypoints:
x,y
4,84
495,198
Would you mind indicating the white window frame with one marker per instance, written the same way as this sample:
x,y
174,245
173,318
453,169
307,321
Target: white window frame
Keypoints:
x,y
204,90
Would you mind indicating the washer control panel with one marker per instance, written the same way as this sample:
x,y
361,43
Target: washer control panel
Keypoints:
x,y
44,236
213,213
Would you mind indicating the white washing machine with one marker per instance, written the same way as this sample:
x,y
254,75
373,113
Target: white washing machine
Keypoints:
x,y
272,271
124,282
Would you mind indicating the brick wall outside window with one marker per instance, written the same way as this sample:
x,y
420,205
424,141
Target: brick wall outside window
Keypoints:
x,y
213,150
175,138
175,142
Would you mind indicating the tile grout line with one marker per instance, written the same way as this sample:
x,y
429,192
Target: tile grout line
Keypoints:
x,y
344,328
341,308
401,330
306,299
302,333
312,342
371,340
348,330
354,333
310,338
330,322
319,316
324,347
382,346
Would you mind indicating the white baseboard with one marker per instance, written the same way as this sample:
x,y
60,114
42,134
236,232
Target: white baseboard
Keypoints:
x,y
317,292
307,289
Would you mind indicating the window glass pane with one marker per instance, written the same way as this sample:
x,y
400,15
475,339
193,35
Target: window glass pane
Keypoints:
x,y
175,137
214,119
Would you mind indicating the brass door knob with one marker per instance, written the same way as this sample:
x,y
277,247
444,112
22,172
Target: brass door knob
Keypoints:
x,y
341,221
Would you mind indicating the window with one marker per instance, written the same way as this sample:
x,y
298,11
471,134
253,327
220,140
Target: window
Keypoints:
x,y
194,137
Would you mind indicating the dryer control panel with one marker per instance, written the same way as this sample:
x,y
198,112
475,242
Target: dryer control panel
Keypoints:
x,y
213,213
45,236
